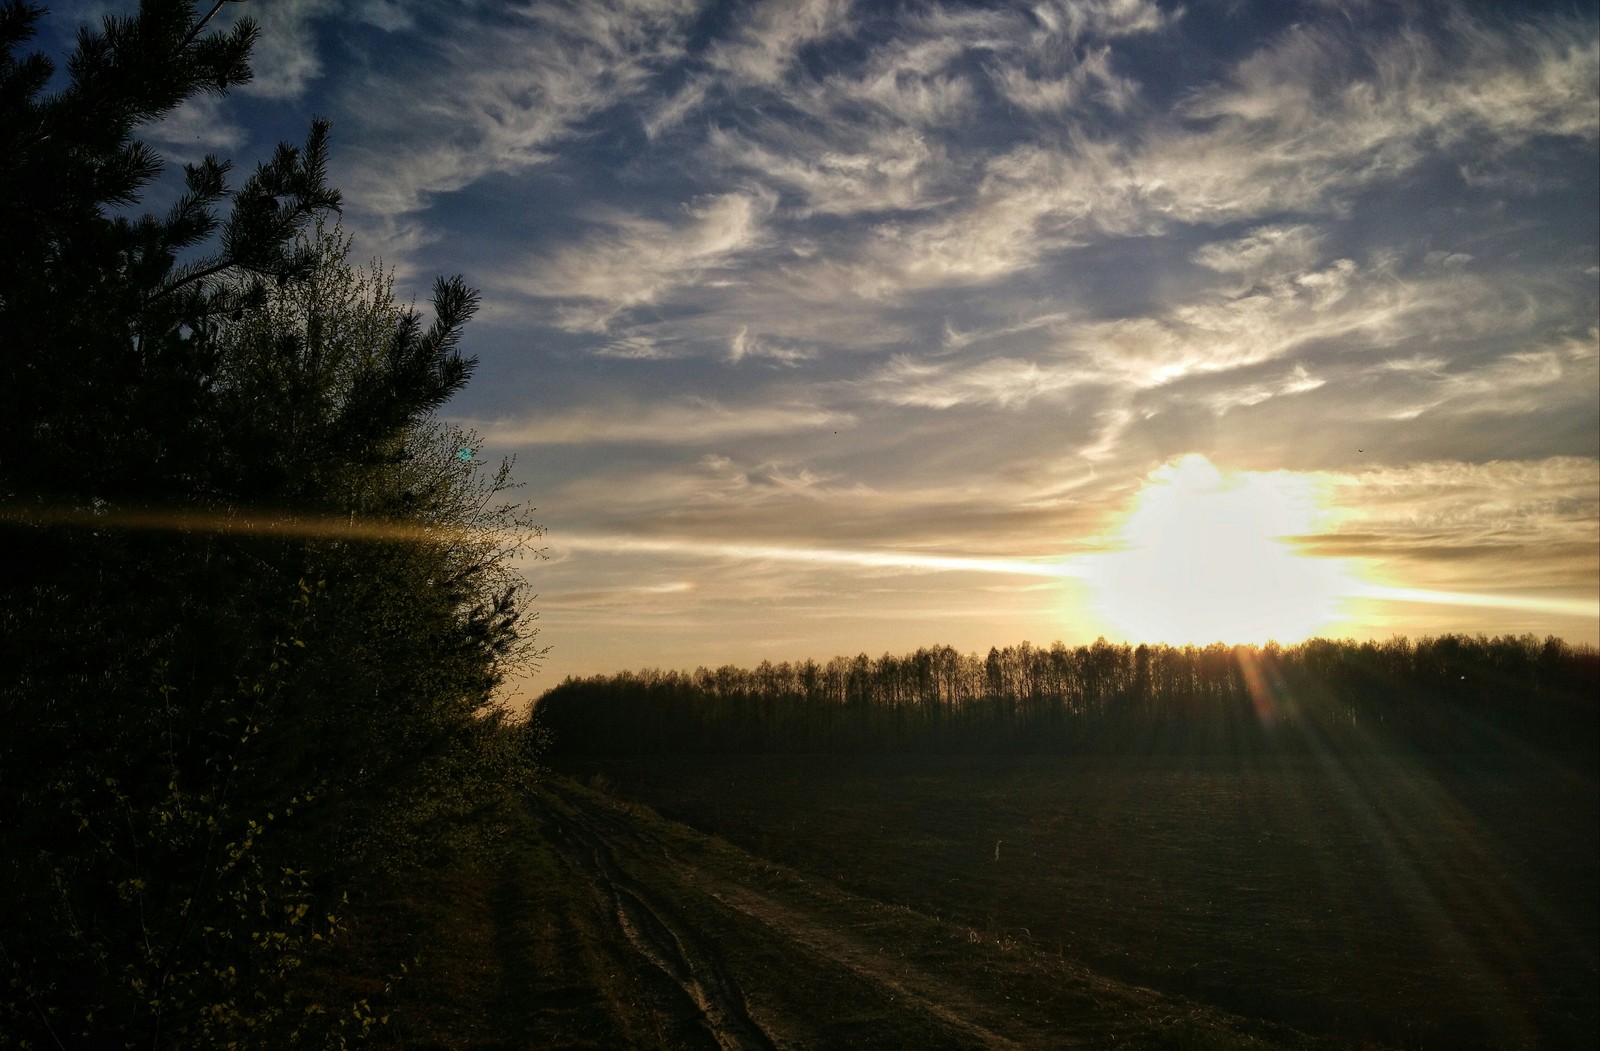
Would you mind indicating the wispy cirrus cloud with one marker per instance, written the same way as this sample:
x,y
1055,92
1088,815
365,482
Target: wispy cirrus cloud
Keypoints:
x,y
1539,379
198,127
494,97
1462,524
1051,69
758,52
837,174
1290,130
722,499
765,44
1286,307
690,421
637,261
286,58
1285,323
1000,382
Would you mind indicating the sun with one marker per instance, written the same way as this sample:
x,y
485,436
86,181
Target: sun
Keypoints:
x,y
1202,557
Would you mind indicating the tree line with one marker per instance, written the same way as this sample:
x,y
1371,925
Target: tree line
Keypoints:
x,y
255,599
1450,693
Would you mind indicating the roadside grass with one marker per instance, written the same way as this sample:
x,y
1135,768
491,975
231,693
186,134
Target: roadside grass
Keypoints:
x,y
484,950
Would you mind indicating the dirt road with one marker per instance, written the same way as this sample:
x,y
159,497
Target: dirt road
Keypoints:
x,y
640,932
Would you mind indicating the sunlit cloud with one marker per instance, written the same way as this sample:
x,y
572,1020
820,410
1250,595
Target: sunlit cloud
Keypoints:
x,y
687,422
746,345
1267,251
832,175
1298,381
638,260
1090,79
764,46
1574,607
1291,131
1520,382
1002,382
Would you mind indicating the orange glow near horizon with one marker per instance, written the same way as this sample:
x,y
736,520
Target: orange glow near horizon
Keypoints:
x,y
1201,557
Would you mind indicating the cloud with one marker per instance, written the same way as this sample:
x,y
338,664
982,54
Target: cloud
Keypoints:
x,y
1050,70
906,81
285,59
1539,380
837,174
1073,20
686,422
1002,382
1290,130
745,345
763,48
1298,381
1091,78
1384,340
1460,523
1264,322
196,128
1293,115
389,15
639,261
495,95
954,339
1219,331
633,348
748,500
675,108
1265,251
759,51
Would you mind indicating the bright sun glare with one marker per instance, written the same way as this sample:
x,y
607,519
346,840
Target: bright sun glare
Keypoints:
x,y
1201,558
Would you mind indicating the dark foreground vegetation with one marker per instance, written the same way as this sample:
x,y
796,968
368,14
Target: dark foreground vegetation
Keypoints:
x,y
1452,694
254,600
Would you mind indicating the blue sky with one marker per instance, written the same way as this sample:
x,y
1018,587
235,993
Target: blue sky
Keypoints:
x,y
820,327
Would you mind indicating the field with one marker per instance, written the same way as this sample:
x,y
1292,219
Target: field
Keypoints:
x,y
602,925
1198,901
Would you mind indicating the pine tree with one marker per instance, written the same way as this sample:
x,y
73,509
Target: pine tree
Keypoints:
x,y
219,710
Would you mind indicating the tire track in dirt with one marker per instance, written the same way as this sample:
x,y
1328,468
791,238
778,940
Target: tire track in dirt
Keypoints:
x,y
665,941
910,985
661,938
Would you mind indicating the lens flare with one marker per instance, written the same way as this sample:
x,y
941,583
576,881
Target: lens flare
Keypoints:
x,y
237,523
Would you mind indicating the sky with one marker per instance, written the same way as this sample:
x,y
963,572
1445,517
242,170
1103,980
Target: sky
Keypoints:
x,y
823,327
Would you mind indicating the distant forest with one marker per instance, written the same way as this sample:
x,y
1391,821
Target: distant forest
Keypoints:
x,y
1453,693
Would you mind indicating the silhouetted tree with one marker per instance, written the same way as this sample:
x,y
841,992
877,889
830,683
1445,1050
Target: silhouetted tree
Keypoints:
x,y
1451,693
254,605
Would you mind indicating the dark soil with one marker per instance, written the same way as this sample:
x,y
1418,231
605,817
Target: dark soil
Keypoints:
x,y
1373,899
